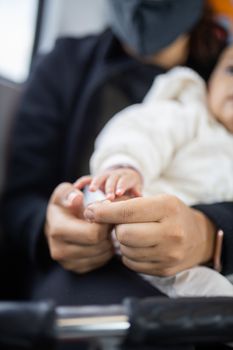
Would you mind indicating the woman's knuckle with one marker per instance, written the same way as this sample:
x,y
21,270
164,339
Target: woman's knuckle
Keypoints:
x,y
128,262
55,231
99,213
122,234
81,269
172,203
71,266
177,234
100,233
166,272
51,231
60,189
94,237
53,228
175,257
78,266
175,205
126,214
56,254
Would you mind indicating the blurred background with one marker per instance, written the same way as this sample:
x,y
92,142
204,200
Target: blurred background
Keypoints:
x,y
29,28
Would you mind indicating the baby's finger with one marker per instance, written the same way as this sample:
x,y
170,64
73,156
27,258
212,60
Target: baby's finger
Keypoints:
x,y
137,190
82,182
110,186
97,182
126,182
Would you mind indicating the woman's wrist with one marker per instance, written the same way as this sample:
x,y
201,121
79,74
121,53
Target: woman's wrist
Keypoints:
x,y
207,231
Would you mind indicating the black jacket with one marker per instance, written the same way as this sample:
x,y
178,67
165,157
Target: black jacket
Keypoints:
x,y
55,128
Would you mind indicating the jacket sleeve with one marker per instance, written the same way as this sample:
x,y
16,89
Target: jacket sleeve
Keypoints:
x,y
33,168
144,136
221,214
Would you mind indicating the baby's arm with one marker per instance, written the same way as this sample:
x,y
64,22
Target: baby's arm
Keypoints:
x,y
114,182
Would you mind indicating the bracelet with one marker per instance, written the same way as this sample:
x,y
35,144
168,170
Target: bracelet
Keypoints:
x,y
218,251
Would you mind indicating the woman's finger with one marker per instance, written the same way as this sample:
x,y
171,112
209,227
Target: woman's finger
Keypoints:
x,y
151,254
150,268
64,251
87,264
68,197
141,209
63,225
139,235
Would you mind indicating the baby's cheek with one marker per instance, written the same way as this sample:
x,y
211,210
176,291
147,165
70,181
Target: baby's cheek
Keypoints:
x,y
226,117
229,124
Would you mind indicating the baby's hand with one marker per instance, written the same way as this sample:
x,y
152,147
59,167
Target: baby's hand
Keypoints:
x,y
114,183
118,182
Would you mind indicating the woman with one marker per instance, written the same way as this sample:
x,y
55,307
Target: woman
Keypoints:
x,y
70,96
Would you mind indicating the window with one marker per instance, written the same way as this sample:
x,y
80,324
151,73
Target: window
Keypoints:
x,y
18,21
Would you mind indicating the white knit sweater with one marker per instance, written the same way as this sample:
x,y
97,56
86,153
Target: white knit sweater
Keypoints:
x,y
172,140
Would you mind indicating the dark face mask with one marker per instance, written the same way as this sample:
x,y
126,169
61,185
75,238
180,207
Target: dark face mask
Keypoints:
x,y
147,26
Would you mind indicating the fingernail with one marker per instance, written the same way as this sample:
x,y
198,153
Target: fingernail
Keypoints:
x,y
89,215
119,191
70,197
92,188
110,196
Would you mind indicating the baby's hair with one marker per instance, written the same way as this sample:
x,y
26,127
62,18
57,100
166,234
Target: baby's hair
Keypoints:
x,y
207,41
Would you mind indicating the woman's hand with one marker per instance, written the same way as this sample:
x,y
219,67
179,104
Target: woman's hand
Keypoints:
x,y
76,244
158,235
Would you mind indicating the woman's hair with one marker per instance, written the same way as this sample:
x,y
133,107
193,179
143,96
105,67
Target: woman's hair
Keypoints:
x,y
207,41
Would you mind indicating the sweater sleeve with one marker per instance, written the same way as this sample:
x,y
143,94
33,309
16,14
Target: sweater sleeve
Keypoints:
x,y
144,136
34,158
221,214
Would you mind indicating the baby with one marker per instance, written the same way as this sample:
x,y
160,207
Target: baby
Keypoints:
x,y
178,141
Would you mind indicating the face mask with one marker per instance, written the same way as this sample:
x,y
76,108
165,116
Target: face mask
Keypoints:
x,y
147,26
